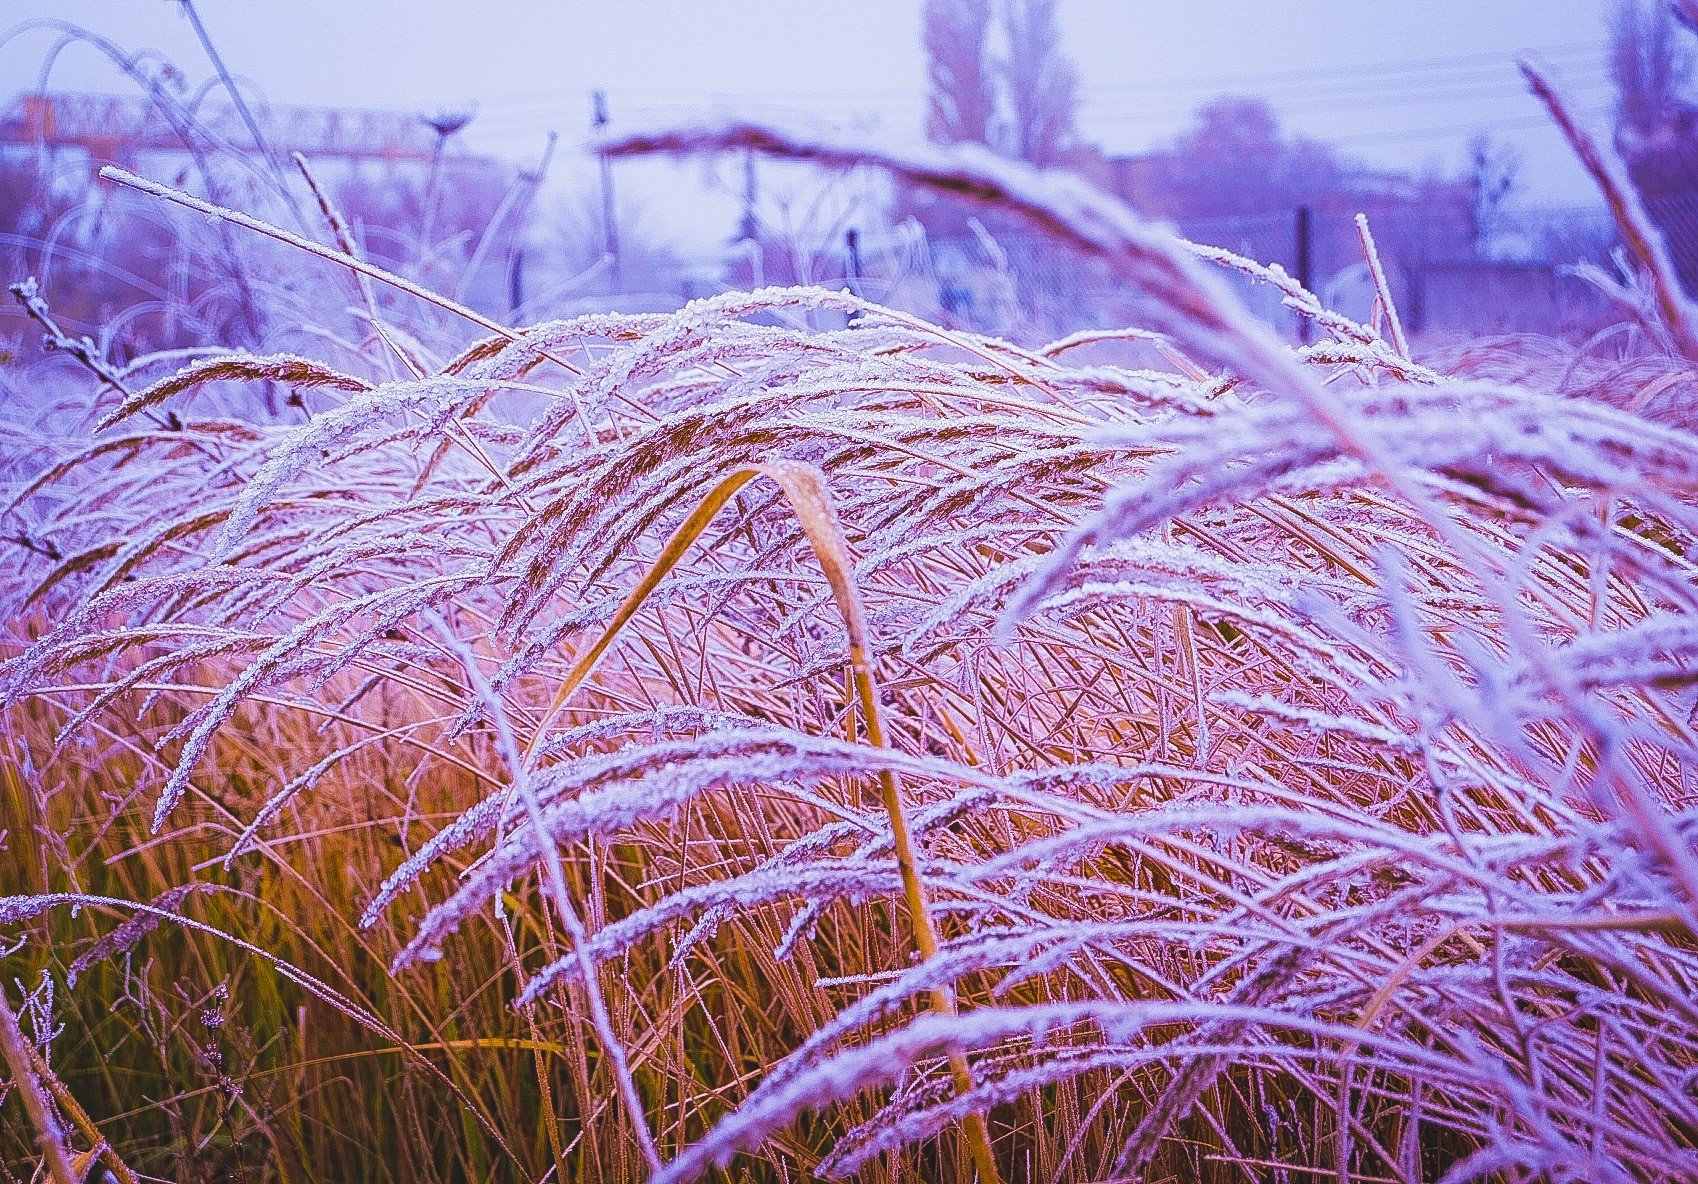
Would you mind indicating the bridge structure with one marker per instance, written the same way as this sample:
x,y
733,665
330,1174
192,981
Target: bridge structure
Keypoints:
x,y
116,129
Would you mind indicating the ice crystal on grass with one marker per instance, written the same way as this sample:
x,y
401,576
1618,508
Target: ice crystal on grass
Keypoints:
x,y
1311,737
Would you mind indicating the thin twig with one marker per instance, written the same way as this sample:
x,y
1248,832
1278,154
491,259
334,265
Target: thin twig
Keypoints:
x,y
345,240
28,293
261,144
15,1050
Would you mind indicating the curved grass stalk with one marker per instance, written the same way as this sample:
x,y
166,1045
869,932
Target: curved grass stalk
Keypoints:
x,y
1646,242
260,226
612,1047
804,487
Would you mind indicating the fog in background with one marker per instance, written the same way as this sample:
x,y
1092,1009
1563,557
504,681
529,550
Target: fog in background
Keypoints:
x,y
458,140
1398,85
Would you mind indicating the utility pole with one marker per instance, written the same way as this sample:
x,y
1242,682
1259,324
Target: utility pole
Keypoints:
x,y
516,283
609,220
852,249
748,227
1305,266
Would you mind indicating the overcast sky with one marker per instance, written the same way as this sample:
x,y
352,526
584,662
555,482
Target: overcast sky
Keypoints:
x,y
1403,83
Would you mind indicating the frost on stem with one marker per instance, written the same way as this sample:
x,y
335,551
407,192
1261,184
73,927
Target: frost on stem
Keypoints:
x,y
1344,746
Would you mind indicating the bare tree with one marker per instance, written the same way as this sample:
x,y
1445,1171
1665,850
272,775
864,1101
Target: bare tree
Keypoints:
x,y
1494,171
1652,61
962,105
1234,160
1041,86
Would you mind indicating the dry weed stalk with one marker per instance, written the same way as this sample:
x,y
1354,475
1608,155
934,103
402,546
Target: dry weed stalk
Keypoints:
x,y
1382,288
20,1066
1641,235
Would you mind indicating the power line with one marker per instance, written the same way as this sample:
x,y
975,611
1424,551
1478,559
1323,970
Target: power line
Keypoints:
x,y
1428,133
1376,74
1399,84
1554,55
1379,99
1345,89
1391,103
1380,96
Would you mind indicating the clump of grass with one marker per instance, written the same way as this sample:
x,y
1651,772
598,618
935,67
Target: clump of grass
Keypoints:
x,y
645,746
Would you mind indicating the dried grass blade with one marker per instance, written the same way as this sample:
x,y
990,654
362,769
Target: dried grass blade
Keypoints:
x,y
804,487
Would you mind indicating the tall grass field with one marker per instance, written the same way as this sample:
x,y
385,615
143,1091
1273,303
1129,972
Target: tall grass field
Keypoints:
x,y
787,739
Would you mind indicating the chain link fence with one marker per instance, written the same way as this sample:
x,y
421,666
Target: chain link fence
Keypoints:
x,y
1676,215
1452,273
